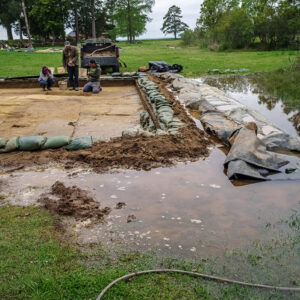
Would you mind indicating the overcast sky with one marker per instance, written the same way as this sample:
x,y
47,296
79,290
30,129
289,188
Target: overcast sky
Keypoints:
x,y
190,12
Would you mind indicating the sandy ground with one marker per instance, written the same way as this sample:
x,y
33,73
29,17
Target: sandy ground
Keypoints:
x,y
139,152
26,112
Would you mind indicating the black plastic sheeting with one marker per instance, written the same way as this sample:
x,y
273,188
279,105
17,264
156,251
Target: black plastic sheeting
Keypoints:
x,y
249,157
162,66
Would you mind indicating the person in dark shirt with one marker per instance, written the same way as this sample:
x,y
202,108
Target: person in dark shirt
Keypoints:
x,y
70,62
94,78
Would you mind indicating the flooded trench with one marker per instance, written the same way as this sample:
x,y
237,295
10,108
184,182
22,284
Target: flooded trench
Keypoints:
x,y
189,210
246,90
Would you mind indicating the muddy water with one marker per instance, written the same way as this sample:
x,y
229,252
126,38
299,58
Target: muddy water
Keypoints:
x,y
189,210
245,90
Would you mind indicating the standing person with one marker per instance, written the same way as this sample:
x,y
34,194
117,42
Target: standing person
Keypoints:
x,y
70,62
94,78
46,79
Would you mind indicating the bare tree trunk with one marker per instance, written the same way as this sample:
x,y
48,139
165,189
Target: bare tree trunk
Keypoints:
x,y
93,19
9,32
20,32
27,25
129,21
76,24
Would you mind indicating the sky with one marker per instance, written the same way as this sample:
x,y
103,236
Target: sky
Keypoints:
x,y
190,12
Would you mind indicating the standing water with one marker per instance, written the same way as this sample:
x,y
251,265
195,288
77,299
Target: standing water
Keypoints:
x,y
246,90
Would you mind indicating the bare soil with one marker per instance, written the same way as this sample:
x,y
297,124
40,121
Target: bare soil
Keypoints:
x,y
140,152
72,201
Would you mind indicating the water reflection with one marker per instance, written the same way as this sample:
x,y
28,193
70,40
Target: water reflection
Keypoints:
x,y
191,209
248,90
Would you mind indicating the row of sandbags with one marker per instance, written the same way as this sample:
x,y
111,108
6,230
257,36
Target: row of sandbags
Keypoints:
x,y
34,143
160,106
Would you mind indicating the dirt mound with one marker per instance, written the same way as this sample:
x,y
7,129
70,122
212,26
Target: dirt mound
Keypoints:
x,y
72,201
140,152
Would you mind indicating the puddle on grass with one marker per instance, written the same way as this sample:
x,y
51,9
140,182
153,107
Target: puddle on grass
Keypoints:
x,y
189,210
245,90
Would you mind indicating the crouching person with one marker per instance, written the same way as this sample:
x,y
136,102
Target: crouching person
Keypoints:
x,y
94,78
46,79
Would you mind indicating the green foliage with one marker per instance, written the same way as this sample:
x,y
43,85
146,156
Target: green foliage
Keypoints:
x,y
172,22
10,11
84,12
234,29
49,18
237,23
188,37
131,17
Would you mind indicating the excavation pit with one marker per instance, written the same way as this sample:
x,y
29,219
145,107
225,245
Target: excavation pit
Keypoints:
x,y
31,112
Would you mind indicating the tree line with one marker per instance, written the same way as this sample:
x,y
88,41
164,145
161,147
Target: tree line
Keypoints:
x,y
48,19
233,24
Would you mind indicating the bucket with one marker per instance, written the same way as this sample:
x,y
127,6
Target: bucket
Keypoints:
x,y
63,85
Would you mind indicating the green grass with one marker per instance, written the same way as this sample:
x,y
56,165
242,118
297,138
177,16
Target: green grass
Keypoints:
x,y
36,264
196,61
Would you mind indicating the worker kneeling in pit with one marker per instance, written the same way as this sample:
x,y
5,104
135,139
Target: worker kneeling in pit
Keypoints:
x,y
94,78
46,79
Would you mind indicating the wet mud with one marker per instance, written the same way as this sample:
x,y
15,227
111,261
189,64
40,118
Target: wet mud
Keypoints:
x,y
74,202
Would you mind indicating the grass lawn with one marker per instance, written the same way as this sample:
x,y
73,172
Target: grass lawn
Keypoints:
x,y
196,61
36,264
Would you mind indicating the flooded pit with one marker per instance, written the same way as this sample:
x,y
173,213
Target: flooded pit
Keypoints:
x,y
189,210
28,112
246,90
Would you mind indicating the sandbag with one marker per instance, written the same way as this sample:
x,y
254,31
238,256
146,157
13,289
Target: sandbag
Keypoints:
x,y
31,143
56,142
3,143
80,143
11,145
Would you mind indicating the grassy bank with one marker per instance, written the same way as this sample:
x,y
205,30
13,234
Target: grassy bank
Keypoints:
x,y
196,61
35,264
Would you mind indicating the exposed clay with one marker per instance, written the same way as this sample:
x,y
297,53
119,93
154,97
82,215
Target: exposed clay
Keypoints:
x,y
72,201
139,152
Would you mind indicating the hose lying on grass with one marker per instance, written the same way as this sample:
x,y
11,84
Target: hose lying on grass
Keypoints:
x,y
205,276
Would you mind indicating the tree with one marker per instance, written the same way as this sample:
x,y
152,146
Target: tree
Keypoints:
x,y
94,34
84,12
131,17
27,24
172,21
49,18
10,11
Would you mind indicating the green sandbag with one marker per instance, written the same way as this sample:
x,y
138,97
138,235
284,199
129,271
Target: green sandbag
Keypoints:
x,y
11,145
80,143
31,143
56,142
2,143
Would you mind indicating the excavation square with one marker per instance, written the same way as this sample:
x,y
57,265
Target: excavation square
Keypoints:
x,y
27,112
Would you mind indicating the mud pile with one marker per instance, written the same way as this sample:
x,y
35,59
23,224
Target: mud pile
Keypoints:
x,y
72,201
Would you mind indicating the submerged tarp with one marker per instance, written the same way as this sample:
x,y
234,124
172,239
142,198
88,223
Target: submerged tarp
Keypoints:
x,y
248,157
227,119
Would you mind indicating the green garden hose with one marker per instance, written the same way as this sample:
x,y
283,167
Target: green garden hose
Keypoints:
x,y
205,276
